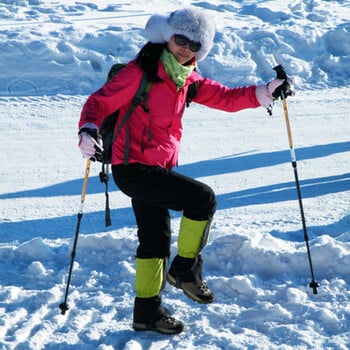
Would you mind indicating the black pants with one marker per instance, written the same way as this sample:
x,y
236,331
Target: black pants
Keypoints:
x,y
153,191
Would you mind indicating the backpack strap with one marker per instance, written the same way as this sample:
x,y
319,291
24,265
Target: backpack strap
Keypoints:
x,y
104,177
192,92
139,97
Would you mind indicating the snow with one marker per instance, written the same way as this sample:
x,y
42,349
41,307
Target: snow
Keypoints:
x,y
55,53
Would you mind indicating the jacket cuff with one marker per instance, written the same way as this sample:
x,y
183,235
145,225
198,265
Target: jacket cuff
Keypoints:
x,y
90,126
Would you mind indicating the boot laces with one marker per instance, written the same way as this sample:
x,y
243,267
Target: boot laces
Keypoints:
x,y
169,320
203,287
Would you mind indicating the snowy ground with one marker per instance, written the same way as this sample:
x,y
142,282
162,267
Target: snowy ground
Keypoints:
x,y
57,52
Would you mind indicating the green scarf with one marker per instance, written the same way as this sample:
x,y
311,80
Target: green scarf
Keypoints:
x,y
176,71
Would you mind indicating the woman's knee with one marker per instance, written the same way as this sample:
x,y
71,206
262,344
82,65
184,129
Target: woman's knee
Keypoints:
x,y
211,202
203,206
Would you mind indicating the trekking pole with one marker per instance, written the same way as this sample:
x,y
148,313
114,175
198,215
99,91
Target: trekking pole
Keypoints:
x,y
64,306
281,74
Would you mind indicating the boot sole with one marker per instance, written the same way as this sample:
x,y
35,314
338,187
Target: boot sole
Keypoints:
x,y
192,296
139,327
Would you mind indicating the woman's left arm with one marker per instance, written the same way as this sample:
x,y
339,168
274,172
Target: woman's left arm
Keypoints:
x,y
215,95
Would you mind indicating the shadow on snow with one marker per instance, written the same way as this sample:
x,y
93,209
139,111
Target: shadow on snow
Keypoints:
x,y
64,227
212,167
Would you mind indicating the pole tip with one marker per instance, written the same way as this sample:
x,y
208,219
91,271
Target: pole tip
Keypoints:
x,y
314,285
64,307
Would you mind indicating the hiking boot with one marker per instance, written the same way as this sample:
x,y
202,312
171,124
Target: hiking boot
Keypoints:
x,y
150,315
186,274
166,325
199,293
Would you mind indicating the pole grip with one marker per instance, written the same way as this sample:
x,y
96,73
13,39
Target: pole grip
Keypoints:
x,y
86,177
280,92
280,72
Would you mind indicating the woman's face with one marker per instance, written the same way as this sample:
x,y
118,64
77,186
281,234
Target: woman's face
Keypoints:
x,y
183,54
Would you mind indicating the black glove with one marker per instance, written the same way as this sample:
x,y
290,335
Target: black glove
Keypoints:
x,y
284,90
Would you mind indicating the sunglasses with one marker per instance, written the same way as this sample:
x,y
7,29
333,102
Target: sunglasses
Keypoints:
x,y
182,40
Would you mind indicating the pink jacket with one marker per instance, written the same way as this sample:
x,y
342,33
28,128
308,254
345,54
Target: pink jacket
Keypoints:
x,y
155,136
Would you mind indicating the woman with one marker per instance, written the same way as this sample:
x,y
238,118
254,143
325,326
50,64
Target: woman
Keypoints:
x,y
153,133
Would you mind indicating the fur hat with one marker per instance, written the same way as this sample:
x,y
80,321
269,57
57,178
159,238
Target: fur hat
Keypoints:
x,y
191,22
